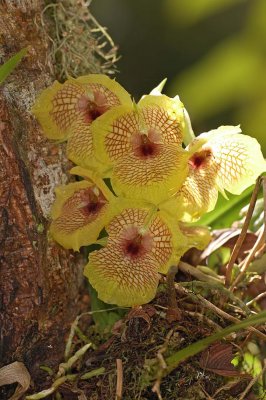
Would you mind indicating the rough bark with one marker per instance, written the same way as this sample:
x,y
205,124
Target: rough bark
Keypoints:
x,y
39,281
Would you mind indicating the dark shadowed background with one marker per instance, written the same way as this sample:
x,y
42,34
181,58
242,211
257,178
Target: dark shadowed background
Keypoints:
x,y
212,52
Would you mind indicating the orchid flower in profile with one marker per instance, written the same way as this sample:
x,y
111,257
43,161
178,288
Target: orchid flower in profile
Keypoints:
x,y
66,111
81,210
220,160
142,145
141,243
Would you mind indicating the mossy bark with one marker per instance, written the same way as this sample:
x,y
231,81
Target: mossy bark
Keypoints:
x,y
39,281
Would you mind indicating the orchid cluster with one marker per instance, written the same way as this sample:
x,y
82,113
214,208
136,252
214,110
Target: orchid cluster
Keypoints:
x,y
140,185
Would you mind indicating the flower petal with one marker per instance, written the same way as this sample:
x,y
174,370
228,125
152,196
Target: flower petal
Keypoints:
x,y
166,115
86,98
197,196
222,159
197,236
158,117
167,240
80,147
235,160
119,280
79,213
153,177
55,108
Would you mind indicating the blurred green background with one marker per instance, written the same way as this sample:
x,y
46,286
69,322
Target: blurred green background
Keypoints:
x,y
213,53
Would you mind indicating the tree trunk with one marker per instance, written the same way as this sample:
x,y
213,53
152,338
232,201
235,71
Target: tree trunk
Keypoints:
x,y
39,281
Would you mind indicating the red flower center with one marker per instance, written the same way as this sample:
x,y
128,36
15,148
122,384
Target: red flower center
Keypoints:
x,y
135,244
133,247
92,109
92,203
200,159
143,147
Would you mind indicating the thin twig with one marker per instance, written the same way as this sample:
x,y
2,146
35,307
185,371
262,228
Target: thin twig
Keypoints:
x,y
251,383
170,280
119,382
163,366
218,311
251,255
201,276
259,297
205,319
243,233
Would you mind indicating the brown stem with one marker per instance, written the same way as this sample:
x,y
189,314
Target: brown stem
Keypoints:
x,y
243,233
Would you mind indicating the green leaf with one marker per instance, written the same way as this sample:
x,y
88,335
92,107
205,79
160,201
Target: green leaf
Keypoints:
x,y
11,64
104,320
175,359
226,211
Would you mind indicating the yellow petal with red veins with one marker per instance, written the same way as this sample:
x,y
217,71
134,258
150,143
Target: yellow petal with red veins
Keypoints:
x,y
85,98
237,158
169,241
222,159
234,160
152,172
79,213
164,114
197,196
112,134
120,131
141,242
94,176
164,233
125,281
80,148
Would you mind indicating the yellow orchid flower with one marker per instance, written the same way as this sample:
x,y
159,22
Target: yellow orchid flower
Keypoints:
x,y
140,244
81,210
66,111
222,159
143,146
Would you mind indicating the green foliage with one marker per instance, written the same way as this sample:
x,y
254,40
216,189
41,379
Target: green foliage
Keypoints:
x,y
175,359
226,210
104,320
229,79
7,68
191,11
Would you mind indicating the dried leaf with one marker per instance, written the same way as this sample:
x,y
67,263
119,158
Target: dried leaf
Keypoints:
x,y
15,372
228,238
217,358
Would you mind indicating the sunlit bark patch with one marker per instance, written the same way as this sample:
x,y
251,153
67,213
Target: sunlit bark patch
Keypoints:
x,y
79,214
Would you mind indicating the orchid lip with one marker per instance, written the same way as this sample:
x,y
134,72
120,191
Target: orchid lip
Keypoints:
x,y
200,159
144,147
91,108
92,201
134,243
